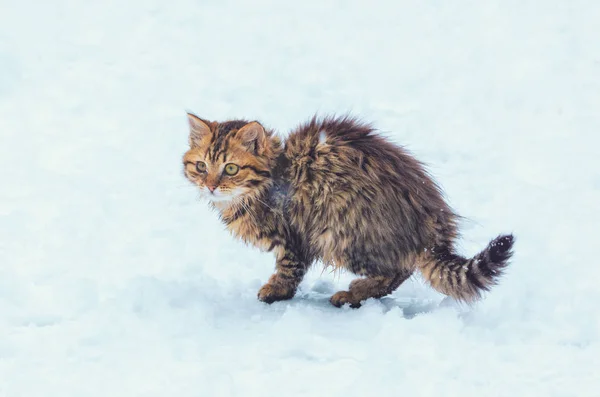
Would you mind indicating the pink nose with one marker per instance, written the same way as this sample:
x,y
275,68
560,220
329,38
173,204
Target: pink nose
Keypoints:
x,y
211,188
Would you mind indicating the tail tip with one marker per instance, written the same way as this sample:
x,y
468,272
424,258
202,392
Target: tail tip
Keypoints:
x,y
501,248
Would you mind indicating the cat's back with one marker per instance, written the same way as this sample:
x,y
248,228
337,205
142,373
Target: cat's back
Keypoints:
x,y
337,151
344,175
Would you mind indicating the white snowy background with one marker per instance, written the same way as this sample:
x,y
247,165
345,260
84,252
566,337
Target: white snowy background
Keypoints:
x,y
115,280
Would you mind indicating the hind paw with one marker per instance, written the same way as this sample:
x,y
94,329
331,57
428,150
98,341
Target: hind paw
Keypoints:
x,y
340,298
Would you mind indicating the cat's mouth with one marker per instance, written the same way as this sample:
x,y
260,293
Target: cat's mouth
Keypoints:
x,y
217,196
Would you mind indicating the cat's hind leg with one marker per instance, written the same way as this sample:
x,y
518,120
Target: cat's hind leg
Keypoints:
x,y
370,287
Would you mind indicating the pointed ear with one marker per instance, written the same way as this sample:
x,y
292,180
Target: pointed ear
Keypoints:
x,y
198,129
253,136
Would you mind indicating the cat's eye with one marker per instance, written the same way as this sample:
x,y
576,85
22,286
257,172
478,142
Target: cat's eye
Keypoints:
x,y
201,166
231,169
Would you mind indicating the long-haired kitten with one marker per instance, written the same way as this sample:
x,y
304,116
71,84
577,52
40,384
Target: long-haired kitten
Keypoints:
x,y
336,191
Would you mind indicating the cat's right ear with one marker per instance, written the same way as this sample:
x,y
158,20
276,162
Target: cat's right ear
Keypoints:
x,y
198,129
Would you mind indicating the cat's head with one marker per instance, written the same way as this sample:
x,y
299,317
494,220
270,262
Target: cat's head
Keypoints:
x,y
231,159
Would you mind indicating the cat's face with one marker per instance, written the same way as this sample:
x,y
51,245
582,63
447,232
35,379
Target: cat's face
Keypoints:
x,y
227,160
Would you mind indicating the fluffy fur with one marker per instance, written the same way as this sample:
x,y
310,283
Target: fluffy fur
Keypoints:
x,y
336,192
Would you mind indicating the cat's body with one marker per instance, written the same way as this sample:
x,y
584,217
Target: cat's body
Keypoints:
x,y
339,193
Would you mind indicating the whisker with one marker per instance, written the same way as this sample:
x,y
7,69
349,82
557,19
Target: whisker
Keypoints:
x,y
248,210
266,205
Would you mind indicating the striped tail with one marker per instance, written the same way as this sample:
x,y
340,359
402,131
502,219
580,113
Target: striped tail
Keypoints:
x,y
465,279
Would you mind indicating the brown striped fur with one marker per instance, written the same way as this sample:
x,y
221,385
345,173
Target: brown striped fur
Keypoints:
x,y
336,192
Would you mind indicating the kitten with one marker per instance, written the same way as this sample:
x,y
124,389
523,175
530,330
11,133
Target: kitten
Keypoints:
x,y
339,193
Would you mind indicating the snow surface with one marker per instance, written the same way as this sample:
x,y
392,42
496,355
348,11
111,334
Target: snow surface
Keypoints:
x,y
115,280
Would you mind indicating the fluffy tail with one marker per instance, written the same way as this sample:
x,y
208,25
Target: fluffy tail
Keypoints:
x,y
465,279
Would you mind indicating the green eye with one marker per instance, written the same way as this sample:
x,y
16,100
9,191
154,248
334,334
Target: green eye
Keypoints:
x,y
201,166
231,169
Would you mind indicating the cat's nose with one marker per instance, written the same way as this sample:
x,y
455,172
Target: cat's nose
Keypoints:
x,y
211,188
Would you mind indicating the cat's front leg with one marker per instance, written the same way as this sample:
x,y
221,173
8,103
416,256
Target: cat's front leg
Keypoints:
x,y
282,285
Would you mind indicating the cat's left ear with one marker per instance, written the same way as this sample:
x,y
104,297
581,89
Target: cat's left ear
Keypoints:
x,y
253,137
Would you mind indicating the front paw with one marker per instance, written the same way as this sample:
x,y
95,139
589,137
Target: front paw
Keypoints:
x,y
272,292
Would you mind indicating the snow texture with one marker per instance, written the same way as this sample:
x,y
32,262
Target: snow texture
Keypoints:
x,y
115,280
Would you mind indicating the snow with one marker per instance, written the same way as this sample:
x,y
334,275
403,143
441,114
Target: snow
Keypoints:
x,y
115,280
